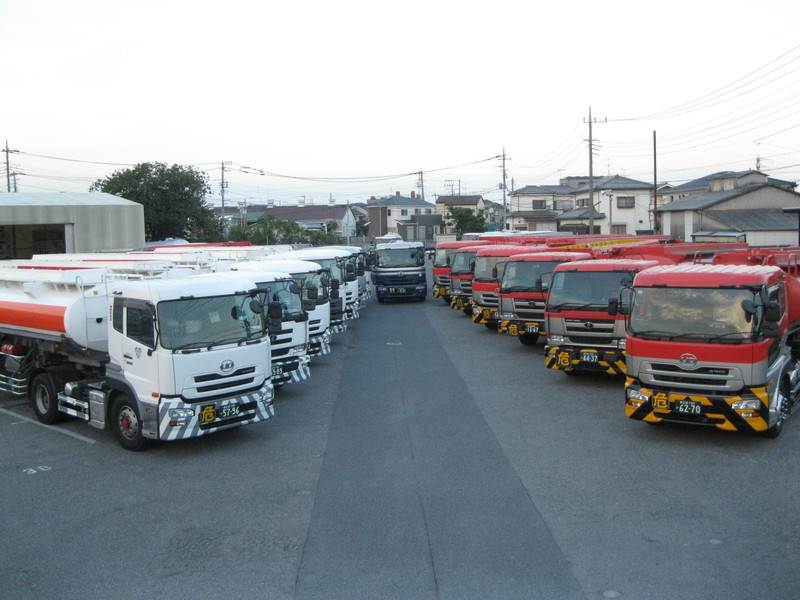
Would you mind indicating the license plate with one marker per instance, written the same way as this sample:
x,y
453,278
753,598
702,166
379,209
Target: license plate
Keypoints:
x,y
228,411
589,357
397,290
276,371
531,328
687,407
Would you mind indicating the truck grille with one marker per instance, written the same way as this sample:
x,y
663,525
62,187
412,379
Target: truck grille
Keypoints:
x,y
529,309
487,300
590,331
399,279
214,382
702,378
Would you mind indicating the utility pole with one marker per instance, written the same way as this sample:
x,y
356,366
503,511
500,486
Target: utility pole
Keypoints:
x,y
653,222
8,168
421,185
223,185
591,173
505,211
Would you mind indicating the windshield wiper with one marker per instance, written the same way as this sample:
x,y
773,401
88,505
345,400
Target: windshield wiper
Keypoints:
x,y
576,305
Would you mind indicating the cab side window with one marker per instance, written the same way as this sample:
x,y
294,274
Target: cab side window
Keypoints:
x,y
139,325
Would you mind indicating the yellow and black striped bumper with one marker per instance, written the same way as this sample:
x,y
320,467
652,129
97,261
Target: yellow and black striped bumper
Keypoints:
x,y
521,328
585,359
654,406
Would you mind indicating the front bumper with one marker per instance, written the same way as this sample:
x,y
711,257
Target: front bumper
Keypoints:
x,y
575,358
656,405
514,327
179,420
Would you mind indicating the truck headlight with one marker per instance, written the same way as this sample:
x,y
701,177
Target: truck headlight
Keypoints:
x,y
637,395
505,315
746,405
621,343
557,339
299,350
181,413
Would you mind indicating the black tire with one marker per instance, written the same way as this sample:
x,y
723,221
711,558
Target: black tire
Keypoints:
x,y
491,326
572,373
127,424
528,339
44,397
783,413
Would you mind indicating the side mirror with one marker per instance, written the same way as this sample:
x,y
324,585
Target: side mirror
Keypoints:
x,y
256,306
274,315
312,293
613,306
294,288
749,308
771,329
335,284
772,312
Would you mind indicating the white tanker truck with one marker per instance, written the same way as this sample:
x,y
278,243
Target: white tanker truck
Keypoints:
x,y
152,359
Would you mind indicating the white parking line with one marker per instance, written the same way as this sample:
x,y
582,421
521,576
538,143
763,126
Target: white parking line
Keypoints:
x,y
50,427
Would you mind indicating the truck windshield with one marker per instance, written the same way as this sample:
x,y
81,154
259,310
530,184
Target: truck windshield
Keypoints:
x,y
291,302
206,322
484,268
400,257
690,314
333,266
306,281
441,256
461,263
585,290
521,276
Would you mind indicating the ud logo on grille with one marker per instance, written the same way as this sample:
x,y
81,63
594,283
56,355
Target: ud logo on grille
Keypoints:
x,y
588,325
688,361
226,366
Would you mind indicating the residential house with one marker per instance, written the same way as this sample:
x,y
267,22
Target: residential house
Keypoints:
x,y
445,203
742,206
330,218
627,201
536,207
409,216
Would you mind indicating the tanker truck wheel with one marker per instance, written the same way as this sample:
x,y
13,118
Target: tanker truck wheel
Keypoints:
x,y
127,424
44,397
783,412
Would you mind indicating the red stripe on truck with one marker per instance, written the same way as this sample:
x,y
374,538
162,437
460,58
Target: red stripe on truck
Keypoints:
x,y
33,316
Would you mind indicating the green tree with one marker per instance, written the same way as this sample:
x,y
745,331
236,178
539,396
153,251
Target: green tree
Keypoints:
x,y
362,226
174,200
271,230
464,221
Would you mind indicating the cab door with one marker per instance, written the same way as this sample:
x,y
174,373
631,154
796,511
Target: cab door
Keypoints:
x,y
139,360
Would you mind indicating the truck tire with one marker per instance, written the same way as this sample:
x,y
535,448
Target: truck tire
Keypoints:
x,y
127,424
528,339
783,413
44,397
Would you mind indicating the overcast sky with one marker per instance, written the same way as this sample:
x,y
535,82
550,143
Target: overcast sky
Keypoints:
x,y
348,99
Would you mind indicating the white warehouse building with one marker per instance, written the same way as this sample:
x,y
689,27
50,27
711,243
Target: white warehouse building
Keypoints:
x,y
57,222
